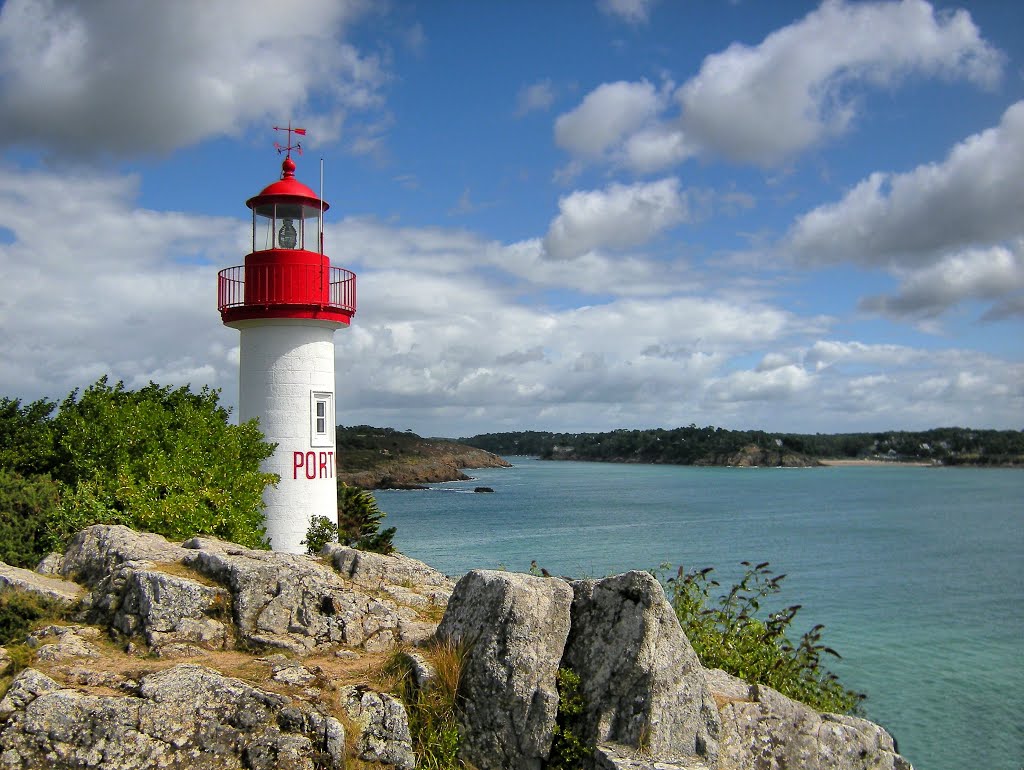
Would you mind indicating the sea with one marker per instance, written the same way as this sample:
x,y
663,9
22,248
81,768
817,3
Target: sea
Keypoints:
x,y
917,573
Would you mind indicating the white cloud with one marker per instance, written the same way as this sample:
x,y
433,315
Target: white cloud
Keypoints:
x,y
826,353
450,338
950,232
632,11
766,103
606,116
864,387
774,360
778,384
108,288
976,274
616,217
535,97
654,148
89,77
975,197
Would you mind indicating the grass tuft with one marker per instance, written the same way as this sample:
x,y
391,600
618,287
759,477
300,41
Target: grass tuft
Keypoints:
x,y
432,708
21,611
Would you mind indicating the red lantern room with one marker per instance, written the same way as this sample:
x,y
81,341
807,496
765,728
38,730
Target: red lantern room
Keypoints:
x,y
287,274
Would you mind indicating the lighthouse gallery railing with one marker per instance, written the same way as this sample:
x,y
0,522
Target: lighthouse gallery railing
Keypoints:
x,y
288,284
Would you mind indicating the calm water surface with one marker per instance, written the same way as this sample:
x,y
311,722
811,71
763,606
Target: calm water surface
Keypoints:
x,y
917,573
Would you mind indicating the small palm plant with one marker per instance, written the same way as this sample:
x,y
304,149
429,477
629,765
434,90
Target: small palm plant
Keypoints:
x,y
359,521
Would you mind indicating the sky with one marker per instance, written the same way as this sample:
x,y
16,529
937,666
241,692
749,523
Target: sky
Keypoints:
x,y
572,216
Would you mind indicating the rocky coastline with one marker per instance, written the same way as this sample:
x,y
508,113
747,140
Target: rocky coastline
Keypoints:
x,y
391,460
204,654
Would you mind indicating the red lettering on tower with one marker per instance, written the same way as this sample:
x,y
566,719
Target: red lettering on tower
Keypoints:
x,y
313,466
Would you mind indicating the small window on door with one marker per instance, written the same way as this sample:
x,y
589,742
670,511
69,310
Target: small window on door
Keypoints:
x,y
322,419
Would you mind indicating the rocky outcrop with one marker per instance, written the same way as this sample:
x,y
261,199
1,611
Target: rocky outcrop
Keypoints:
x,y
208,594
763,730
383,727
184,717
754,456
513,628
406,580
423,462
292,602
52,588
97,696
92,702
614,756
647,703
640,679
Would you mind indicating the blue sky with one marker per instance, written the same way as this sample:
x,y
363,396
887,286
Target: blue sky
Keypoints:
x,y
568,216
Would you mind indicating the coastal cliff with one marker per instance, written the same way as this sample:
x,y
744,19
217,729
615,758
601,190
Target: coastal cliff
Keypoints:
x,y
384,458
205,654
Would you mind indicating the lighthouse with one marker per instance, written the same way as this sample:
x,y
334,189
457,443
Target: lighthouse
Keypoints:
x,y
286,302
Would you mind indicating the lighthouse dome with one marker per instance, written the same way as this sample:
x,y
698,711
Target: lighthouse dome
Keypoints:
x,y
287,189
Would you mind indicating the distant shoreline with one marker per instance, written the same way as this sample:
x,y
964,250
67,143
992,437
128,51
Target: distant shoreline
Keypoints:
x,y
854,463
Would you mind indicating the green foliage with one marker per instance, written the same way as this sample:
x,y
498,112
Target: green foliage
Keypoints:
x,y
21,610
28,507
321,532
733,637
160,460
432,710
714,446
568,750
26,442
359,521
21,657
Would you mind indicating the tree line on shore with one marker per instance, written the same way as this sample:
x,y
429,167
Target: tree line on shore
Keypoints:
x,y
713,446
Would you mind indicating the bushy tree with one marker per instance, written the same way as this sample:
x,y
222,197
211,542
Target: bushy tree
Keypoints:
x,y
26,440
160,460
359,521
28,507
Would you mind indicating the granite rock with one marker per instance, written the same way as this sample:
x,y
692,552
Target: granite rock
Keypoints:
x,y
764,730
513,628
640,679
383,727
183,717
47,586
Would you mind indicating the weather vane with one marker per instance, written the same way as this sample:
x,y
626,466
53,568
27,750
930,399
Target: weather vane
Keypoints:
x,y
289,147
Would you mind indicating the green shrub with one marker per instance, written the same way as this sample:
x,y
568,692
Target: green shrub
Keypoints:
x,y
28,507
21,657
359,521
159,460
26,438
321,532
21,610
569,751
731,636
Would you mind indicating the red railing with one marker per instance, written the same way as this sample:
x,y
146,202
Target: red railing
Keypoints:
x,y
287,284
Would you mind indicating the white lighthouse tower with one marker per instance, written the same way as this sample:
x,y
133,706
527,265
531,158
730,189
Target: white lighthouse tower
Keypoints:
x,y
287,301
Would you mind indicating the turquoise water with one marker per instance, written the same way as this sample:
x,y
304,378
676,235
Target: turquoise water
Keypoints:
x,y
917,573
